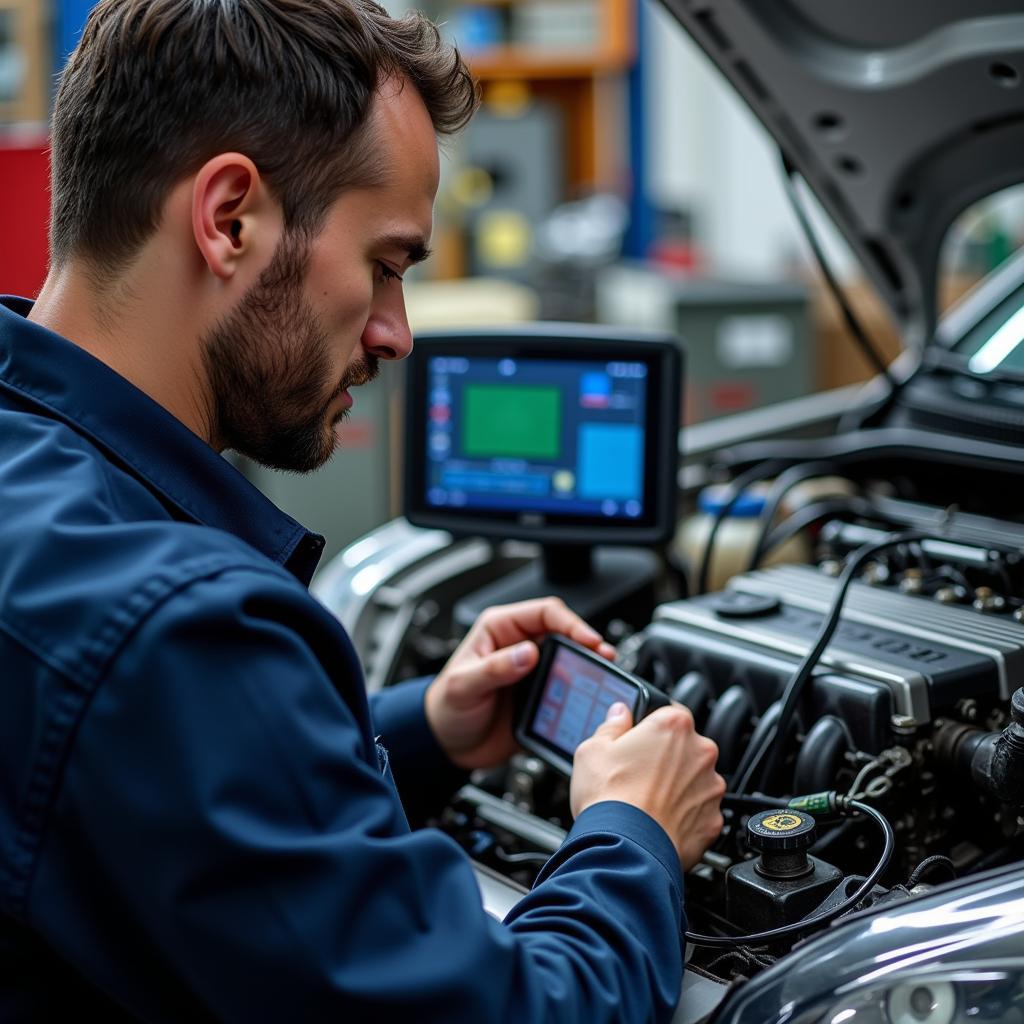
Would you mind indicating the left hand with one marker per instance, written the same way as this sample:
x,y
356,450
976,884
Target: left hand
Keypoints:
x,y
469,705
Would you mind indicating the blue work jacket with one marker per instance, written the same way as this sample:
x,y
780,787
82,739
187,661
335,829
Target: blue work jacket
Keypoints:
x,y
194,820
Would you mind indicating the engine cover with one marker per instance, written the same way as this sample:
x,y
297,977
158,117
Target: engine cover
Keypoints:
x,y
894,658
929,654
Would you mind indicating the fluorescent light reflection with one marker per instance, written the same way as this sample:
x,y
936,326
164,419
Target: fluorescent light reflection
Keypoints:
x,y
366,579
843,1015
999,346
361,550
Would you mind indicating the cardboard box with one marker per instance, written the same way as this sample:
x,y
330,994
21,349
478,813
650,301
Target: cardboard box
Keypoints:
x,y
24,61
840,360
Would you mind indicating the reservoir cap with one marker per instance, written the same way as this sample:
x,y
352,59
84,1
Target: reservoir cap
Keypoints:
x,y
781,831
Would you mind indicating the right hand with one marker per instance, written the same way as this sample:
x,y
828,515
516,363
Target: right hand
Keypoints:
x,y
663,766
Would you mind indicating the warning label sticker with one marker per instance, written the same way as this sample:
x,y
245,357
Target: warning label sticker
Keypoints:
x,y
781,822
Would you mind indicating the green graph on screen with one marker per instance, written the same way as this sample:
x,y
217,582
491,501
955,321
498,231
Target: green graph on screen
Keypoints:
x,y
511,422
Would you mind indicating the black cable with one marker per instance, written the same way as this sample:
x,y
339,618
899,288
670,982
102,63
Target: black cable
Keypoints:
x,y
768,753
854,326
906,445
783,484
758,938
737,487
927,864
763,728
836,839
810,514
744,959
754,802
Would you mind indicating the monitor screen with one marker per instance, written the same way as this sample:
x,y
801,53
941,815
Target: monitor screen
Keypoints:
x,y
545,435
519,434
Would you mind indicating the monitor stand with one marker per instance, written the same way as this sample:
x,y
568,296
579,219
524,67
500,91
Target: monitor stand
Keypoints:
x,y
589,580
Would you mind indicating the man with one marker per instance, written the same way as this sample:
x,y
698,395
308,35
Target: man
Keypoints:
x,y
198,821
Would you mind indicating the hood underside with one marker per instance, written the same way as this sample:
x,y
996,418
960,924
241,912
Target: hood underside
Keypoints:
x,y
897,115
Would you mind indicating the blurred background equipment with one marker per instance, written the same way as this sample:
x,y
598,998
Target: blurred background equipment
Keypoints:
x,y
574,243
24,61
512,179
748,343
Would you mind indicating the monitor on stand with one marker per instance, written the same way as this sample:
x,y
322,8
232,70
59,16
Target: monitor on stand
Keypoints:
x,y
559,434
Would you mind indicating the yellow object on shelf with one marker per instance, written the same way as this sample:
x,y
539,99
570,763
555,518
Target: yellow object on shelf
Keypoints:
x,y
504,238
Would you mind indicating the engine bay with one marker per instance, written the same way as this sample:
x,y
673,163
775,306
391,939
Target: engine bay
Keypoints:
x,y
911,708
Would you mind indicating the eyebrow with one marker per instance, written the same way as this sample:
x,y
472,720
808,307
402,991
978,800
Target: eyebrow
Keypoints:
x,y
415,248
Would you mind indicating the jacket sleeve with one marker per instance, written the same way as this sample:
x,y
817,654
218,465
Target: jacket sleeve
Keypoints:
x,y
224,831
423,774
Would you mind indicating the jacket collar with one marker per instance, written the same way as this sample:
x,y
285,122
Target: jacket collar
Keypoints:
x,y
65,382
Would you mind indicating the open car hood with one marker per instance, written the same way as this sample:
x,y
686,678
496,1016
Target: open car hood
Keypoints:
x,y
898,116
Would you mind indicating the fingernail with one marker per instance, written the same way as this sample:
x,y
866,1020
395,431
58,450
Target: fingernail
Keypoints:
x,y
617,710
521,654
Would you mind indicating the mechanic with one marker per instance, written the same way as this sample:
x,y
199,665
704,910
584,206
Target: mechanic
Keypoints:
x,y
200,819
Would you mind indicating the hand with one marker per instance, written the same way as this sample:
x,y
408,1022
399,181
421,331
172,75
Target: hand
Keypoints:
x,y
663,766
469,705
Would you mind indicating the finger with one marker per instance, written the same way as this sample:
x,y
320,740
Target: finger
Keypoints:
x,y
503,625
508,623
511,622
502,668
617,722
589,637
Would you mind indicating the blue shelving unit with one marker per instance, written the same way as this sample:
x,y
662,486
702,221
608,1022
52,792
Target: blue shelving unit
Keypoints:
x,y
69,19
641,230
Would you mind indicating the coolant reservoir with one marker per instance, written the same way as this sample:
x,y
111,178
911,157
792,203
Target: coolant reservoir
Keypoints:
x,y
736,537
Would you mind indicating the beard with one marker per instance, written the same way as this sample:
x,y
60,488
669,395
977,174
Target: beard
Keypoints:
x,y
268,366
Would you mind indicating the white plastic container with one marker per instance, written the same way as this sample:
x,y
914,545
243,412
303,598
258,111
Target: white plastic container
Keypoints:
x,y
735,540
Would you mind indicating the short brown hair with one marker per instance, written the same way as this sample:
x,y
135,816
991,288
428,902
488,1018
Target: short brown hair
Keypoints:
x,y
158,87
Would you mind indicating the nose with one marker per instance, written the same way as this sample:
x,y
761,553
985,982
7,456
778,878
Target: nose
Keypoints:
x,y
387,334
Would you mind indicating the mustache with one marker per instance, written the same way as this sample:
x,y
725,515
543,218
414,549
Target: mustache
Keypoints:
x,y
362,372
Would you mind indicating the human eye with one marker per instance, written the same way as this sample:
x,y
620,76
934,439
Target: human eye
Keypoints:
x,y
387,273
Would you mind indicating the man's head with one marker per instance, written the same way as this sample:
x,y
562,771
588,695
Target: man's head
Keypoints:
x,y
304,125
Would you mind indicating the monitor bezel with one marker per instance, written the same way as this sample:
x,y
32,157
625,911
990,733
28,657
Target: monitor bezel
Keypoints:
x,y
662,353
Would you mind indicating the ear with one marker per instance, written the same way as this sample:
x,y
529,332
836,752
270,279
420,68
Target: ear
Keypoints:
x,y
229,213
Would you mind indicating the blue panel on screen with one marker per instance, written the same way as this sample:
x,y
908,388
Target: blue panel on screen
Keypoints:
x,y
611,461
595,390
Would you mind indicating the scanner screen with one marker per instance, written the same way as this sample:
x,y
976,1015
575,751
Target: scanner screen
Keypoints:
x,y
575,700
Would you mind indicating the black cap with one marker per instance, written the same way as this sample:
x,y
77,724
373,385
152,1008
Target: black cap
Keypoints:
x,y
1017,706
781,831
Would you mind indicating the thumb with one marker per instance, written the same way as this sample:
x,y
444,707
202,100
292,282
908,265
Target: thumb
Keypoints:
x,y
617,722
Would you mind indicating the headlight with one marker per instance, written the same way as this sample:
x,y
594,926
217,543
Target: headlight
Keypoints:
x,y
921,1000
957,997
953,957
